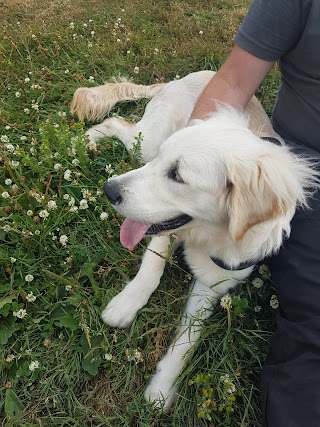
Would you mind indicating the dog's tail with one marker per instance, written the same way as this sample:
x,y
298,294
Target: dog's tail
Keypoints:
x,y
94,103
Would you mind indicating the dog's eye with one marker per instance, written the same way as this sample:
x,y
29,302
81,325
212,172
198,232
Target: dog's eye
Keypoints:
x,y
174,175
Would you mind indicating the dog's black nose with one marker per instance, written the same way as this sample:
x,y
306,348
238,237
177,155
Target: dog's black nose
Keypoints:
x,y
112,191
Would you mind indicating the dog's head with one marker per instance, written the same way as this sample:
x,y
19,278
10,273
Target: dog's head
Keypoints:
x,y
217,173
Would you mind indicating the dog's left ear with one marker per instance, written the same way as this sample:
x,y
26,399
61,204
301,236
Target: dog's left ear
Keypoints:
x,y
260,191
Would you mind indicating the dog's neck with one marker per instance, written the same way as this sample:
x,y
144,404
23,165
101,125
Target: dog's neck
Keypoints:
x,y
259,242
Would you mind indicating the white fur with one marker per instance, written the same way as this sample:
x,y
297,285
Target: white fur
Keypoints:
x,y
236,222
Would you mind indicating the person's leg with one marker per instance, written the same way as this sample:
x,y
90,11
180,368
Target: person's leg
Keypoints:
x,y
291,375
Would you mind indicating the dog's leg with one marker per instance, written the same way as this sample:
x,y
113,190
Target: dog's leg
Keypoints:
x,y
162,389
114,127
128,133
123,308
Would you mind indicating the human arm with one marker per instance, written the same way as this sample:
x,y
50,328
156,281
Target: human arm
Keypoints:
x,y
234,83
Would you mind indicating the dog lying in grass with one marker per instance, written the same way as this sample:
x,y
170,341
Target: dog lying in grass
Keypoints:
x,y
225,187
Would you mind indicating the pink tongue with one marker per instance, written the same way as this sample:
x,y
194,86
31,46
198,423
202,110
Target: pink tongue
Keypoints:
x,y
132,232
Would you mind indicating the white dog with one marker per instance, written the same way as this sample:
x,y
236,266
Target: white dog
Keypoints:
x,y
224,192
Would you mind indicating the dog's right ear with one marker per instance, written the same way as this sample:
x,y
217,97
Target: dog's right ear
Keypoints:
x,y
259,192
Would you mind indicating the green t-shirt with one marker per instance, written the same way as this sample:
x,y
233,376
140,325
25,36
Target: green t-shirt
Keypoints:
x,y
289,31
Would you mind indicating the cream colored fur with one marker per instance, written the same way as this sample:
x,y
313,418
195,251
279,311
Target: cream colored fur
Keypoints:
x,y
240,191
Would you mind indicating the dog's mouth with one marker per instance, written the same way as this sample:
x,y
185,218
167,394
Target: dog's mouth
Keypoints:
x,y
132,232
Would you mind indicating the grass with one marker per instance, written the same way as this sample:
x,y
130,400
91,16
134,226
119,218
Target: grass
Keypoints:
x,y
60,365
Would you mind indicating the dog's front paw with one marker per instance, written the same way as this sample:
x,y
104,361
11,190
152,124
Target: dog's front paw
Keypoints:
x,y
162,390
122,309
95,133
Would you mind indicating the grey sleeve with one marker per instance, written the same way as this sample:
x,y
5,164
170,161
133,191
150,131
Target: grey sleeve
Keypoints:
x,y
271,28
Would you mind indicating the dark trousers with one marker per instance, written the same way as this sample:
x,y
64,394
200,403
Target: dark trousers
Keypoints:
x,y
291,374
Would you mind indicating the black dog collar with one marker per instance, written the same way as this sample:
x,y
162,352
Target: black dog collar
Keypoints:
x,y
241,266
271,139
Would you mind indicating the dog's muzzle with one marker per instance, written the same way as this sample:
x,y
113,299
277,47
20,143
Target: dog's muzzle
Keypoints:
x,y
112,191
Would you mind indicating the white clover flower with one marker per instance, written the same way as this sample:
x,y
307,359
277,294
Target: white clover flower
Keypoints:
x,y
67,175
29,278
92,33
200,32
62,113
104,216
274,302
91,79
75,162
26,110
136,70
7,127
264,271
10,358
90,45
20,314
257,308
225,301
44,214
56,125
34,105
27,80
156,51
73,209
14,164
71,151
177,77
86,193
138,356
17,94
13,260
30,297
57,166
225,378
83,204
34,365
109,168
9,147
84,25
108,357
33,36
29,212
8,181
91,146
6,228
63,240
72,201
51,205
5,195
5,139
231,388
257,282
71,25
68,288
66,71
